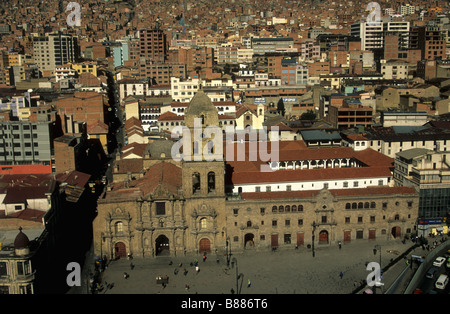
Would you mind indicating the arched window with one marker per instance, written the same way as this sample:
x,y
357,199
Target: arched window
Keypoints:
x,y
211,182
348,206
118,227
210,147
249,223
203,224
294,208
274,209
366,205
300,208
360,205
195,148
195,183
287,208
354,205
281,208
397,217
372,205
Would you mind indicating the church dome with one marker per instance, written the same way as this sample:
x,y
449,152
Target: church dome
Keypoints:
x,y
201,107
21,240
200,104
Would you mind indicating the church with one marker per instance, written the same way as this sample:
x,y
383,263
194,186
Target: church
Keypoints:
x,y
311,197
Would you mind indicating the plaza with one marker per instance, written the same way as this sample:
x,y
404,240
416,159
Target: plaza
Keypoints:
x,y
294,271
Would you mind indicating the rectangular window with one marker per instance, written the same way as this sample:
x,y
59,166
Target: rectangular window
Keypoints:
x,y
160,208
359,234
3,271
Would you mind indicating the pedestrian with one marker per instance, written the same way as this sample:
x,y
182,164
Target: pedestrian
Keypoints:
x,y
125,275
341,274
131,266
175,271
340,245
232,291
187,287
185,272
197,269
248,283
204,257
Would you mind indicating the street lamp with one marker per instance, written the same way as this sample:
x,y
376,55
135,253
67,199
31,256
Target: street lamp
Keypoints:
x,y
238,275
377,247
313,237
228,251
377,284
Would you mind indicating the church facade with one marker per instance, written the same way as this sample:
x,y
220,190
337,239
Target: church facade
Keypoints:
x,y
188,205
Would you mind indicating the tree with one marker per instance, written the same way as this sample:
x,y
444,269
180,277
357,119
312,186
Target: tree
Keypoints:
x,y
308,115
280,107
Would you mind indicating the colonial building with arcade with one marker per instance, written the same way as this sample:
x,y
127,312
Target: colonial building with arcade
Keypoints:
x,y
310,197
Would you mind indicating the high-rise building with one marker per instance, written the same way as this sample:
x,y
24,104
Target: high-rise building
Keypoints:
x,y
430,40
153,44
53,50
372,34
26,142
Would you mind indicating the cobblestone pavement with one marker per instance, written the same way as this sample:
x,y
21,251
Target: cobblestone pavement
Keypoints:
x,y
281,272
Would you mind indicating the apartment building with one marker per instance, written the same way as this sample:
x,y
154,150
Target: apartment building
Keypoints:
x,y
217,90
394,139
267,45
226,55
395,69
372,34
54,50
160,73
429,173
153,44
351,114
26,142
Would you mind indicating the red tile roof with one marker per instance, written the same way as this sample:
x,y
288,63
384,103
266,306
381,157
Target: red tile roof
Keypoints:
x,y
164,174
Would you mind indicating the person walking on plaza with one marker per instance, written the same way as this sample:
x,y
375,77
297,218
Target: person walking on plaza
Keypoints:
x,y
249,283
341,275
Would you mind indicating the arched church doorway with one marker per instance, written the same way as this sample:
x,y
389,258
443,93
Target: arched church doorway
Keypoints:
x,y
120,250
162,245
204,245
249,240
323,237
396,232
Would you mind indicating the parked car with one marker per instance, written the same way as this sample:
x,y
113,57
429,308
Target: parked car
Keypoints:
x,y
442,282
431,272
438,262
